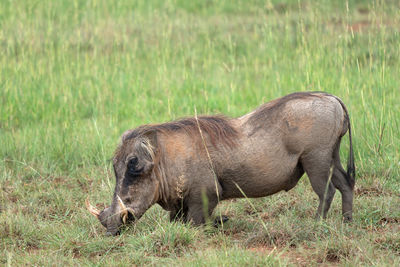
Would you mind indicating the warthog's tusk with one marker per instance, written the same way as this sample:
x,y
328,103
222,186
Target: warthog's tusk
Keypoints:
x,y
95,212
123,210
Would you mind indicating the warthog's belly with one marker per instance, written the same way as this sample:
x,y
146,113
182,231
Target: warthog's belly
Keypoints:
x,y
259,181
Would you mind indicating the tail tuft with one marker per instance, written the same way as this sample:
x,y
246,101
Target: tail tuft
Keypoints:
x,y
351,169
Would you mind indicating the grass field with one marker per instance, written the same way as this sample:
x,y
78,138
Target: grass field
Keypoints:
x,y
76,74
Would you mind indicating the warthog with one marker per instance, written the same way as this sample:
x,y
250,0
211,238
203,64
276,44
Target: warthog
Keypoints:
x,y
180,164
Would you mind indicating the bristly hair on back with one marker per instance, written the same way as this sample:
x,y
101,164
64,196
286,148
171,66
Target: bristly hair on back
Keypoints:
x,y
218,129
271,110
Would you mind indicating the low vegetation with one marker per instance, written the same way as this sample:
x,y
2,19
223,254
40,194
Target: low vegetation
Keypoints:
x,y
75,74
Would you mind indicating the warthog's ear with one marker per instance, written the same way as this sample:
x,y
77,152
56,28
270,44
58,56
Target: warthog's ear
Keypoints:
x,y
144,155
152,139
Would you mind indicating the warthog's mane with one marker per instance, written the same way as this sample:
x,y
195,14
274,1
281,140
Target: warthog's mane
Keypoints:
x,y
215,129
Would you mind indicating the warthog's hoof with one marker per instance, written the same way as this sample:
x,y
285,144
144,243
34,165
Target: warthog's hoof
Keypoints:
x,y
347,219
219,220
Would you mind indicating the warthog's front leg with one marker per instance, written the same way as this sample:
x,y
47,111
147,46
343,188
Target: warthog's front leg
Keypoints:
x,y
179,213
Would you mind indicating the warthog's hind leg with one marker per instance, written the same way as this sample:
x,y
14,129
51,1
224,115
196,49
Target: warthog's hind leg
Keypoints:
x,y
317,167
341,183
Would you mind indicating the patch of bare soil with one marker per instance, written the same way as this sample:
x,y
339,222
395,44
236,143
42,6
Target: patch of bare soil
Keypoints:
x,y
102,252
67,182
298,258
388,220
332,256
9,193
387,242
362,25
371,191
277,238
384,226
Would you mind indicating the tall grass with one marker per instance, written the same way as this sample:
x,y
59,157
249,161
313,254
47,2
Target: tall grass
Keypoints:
x,y
75,74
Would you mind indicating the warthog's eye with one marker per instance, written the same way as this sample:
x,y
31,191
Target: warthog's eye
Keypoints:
x,y
132,167
132,163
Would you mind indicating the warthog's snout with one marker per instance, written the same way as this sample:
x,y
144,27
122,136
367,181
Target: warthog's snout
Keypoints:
x,y
112,221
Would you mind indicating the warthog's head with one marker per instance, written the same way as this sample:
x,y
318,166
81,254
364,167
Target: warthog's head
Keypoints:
x,y
136,187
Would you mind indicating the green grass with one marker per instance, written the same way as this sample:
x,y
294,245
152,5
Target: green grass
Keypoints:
x,y
75,74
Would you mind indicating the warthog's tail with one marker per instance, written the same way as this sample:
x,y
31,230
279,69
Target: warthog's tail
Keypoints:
x,y
351,170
